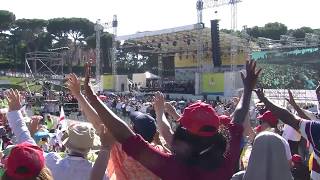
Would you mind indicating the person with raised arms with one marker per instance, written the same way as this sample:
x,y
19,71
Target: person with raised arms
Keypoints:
x,y
199,144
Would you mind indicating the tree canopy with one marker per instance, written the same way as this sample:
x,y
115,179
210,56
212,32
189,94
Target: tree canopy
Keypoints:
x,y
7,18
270,30
75,28
301,32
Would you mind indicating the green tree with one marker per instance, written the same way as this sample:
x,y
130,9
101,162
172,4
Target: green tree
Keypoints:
x,y
254,31
274,30
7,18
29,35
270,30
32,32
76,29
133,58
301,32
105,46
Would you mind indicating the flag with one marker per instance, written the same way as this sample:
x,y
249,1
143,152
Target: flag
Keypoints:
x,y
62,115
62,120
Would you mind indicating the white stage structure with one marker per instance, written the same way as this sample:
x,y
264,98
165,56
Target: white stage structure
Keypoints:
x,y
99,29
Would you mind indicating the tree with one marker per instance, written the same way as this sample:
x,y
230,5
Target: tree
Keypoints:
x,y
32,32
29,35
274,30
270,30
6,20
301,32
130,59
254,31
75,28
105,46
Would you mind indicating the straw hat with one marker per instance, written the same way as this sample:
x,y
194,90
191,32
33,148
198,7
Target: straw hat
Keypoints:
x,y
80,138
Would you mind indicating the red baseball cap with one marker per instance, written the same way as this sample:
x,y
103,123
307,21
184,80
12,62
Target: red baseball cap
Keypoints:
x,y
199,115
296,158
224,120
25,161
269,118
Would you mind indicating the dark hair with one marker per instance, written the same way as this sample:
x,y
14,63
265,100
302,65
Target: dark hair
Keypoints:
x,y
205,152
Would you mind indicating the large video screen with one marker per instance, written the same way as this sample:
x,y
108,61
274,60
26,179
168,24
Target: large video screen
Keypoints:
x,y
213,83
289,68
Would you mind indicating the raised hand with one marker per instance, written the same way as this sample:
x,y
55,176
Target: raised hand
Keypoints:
x,y
106,137
252,74
87,85
14,100
260,94
291,100
73,84
159,103
34,124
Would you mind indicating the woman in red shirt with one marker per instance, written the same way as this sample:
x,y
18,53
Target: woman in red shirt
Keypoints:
x,y
201,150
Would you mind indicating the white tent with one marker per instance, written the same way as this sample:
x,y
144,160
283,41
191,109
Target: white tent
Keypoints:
x,y
141,78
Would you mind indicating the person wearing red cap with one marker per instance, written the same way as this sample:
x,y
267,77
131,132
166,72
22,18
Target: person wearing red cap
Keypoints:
x,y
26,162
299,170
268,121
199,145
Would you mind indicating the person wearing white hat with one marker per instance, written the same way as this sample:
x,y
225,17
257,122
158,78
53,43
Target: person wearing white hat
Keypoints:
x,y
78,142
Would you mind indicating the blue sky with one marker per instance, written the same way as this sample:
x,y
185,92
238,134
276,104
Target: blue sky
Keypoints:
x,y
146,15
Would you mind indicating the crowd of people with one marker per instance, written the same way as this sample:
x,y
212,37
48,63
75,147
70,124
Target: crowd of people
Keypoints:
x,y
288,76
150,137
289,69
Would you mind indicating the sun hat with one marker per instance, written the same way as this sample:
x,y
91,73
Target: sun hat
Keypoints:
x,y
80,138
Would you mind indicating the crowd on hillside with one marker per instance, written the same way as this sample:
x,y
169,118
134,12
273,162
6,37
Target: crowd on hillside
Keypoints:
x,y
281,76
129,137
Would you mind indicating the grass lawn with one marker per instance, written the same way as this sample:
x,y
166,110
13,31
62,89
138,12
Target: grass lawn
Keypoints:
x,y
18,83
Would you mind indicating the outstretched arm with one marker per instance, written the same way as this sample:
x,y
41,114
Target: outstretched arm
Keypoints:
x,y
15,118
98,171
249,82
293,103
162,122
73,85
119,129
284,115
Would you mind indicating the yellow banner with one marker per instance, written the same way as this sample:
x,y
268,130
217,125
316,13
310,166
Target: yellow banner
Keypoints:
x,y
240,59
182,60
213,82
107,82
